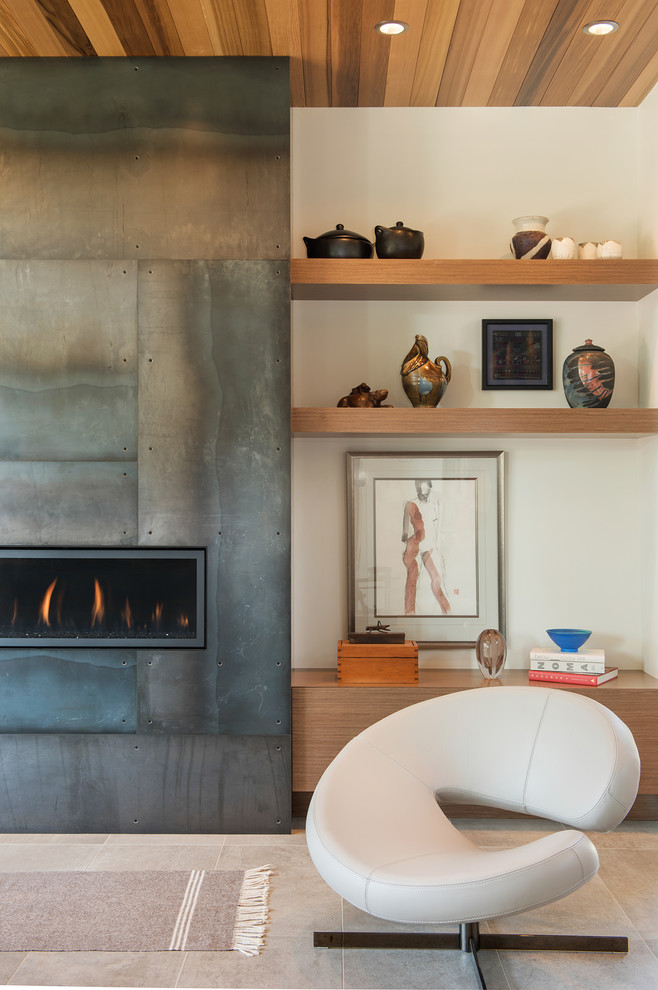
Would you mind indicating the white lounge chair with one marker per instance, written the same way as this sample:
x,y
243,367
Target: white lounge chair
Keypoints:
x,y
377,835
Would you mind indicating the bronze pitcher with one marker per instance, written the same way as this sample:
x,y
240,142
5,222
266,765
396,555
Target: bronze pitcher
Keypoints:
x,y
423,380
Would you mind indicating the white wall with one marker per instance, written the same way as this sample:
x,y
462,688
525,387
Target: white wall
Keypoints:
x,y
648,385
574,529
462,174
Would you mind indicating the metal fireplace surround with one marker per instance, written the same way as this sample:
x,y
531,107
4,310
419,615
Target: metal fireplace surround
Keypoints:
x,y
100,597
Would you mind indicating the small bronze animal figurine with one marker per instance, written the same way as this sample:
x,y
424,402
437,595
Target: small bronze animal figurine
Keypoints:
x,y
378,628
362,397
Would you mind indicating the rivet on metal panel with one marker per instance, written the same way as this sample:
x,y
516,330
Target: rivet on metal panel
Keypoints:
x,y
278,821
123,663
219,663
278,749
136,747
278,721
278,663
149,663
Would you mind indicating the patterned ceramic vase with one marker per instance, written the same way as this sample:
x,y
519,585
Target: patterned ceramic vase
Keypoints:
x,y
491,653
530,240
588,377
423,380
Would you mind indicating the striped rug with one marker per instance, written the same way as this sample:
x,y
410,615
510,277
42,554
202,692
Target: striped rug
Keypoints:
x,y
136,911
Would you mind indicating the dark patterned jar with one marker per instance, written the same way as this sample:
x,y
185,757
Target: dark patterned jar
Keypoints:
x,y
588,377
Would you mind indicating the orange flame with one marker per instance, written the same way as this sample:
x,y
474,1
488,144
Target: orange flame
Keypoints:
x,y
127,615
98,608
45,604
183,621
15,612
157,614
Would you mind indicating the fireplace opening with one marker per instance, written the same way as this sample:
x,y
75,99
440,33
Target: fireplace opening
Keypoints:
x,y
102,597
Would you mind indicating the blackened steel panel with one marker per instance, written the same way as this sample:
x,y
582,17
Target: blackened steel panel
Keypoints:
x,y
68,360
67,691
176,692
162,158
180,784
251,334
214,469
68,504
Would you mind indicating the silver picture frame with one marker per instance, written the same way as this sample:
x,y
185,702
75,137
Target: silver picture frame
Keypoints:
x,y
426,546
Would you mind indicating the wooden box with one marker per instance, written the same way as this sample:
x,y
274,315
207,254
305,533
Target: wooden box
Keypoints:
x,y
378,663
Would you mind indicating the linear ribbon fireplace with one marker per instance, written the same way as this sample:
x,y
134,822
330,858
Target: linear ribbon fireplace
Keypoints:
x,y
101,597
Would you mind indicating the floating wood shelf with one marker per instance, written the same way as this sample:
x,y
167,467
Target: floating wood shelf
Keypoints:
x,y
474,422
621,280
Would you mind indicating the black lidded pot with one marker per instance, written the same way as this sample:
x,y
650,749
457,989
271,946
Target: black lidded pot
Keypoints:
x,y
399,242
338,243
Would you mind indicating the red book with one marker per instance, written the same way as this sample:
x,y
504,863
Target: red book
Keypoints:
x,y
562,678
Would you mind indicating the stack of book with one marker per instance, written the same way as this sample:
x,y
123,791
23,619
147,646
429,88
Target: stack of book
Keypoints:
x,y
584,667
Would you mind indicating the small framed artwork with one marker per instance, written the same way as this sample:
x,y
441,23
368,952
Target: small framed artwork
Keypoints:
x,y
425,544
517,354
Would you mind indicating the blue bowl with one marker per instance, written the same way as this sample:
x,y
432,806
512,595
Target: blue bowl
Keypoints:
x,y
569,640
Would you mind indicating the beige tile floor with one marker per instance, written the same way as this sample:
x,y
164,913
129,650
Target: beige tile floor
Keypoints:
x,y
622,899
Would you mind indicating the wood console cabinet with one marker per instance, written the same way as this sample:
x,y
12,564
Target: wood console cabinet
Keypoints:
x,y
326,715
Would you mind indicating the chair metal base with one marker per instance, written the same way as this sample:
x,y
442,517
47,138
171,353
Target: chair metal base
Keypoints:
x,y
469,939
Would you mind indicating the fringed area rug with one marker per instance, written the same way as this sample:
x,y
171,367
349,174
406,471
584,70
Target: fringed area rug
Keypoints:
x,y
148,911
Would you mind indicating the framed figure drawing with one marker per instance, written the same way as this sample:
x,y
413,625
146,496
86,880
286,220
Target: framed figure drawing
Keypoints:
x,y
426,546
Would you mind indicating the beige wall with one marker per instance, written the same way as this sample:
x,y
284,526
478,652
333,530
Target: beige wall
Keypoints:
x,y
575,519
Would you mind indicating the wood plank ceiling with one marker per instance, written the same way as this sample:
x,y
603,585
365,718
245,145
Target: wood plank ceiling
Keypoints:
x,y
455,53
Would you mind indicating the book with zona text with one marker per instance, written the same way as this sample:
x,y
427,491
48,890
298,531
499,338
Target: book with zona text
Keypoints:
x,y
562,677
583,662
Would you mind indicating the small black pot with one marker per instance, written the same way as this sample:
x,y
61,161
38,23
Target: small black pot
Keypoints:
x,y
399,242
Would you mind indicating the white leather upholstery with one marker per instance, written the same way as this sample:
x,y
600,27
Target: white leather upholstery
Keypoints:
x,y
379,838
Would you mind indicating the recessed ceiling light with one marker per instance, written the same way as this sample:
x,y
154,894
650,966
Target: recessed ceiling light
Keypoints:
x,y
392,27
599,28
